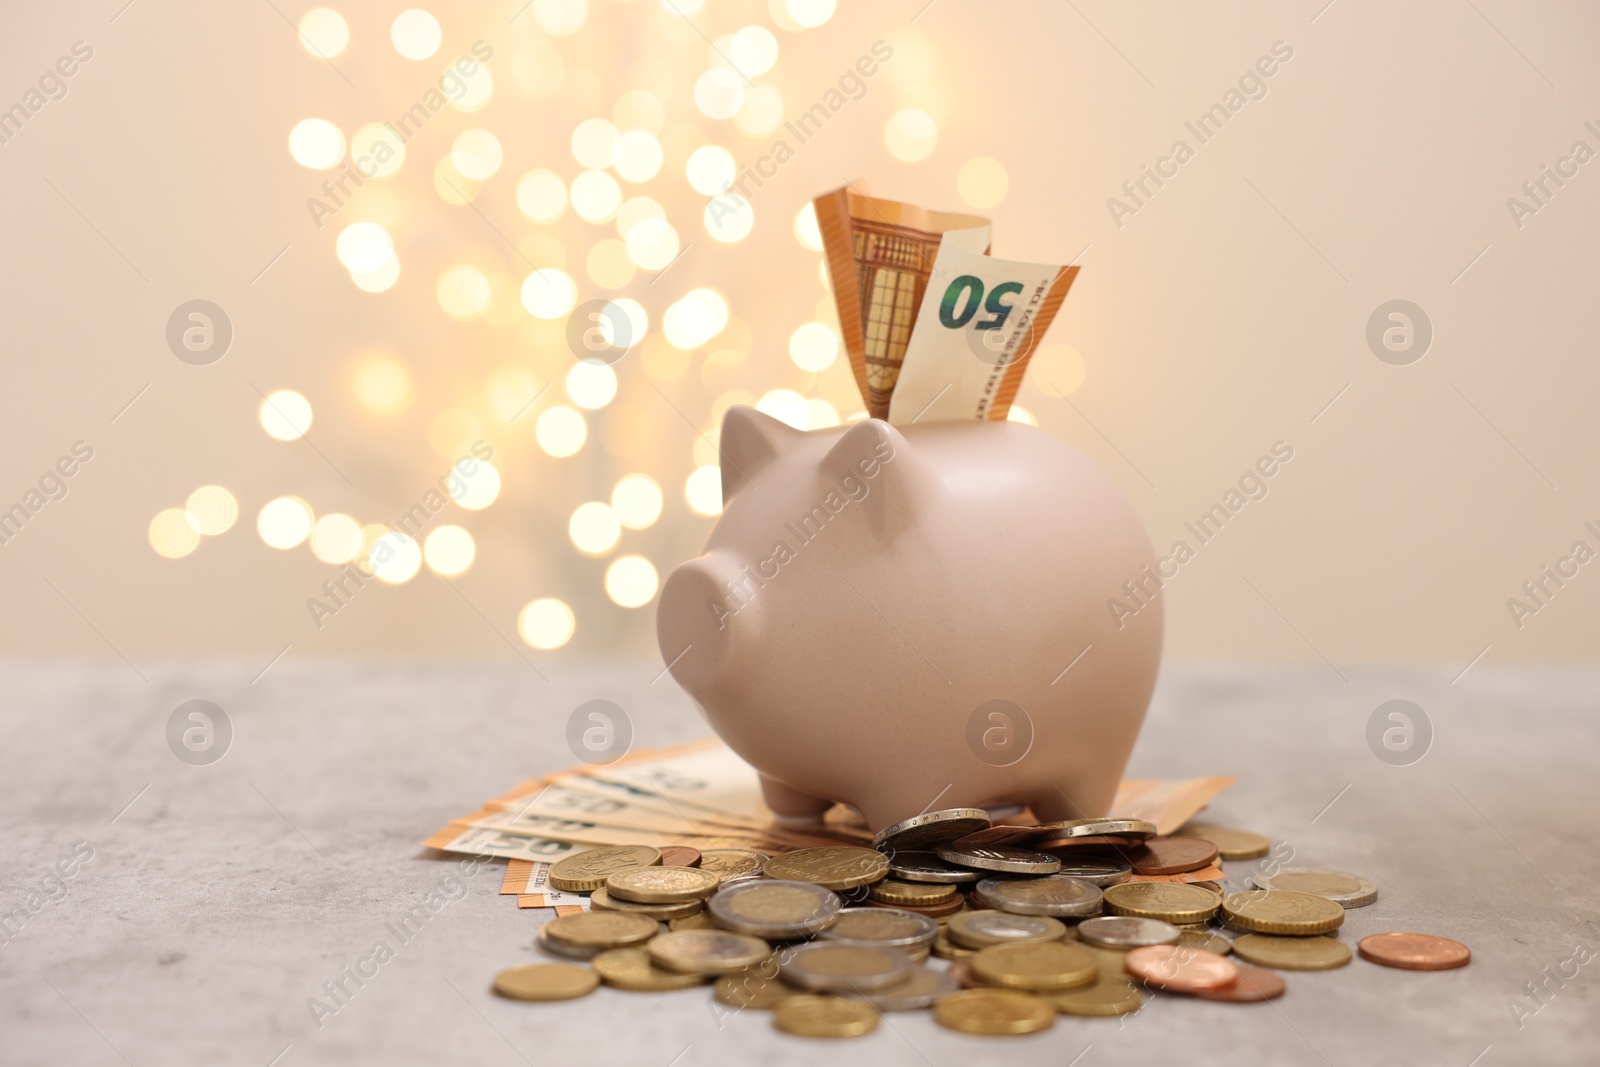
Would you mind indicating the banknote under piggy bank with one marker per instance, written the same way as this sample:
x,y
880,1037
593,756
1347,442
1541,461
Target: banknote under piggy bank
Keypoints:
x,y
912,619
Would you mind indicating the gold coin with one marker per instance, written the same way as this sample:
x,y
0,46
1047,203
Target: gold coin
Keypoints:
x,y
1350,890
749,988
546,981
811,1015
601,929
662,885
698,921
830,866
947,949
895,891
602,900
994,1011
731,864
1281,911
980,929
1047,966
901,929
630,968
1232,844
1109,995
707,951
1292,953
1171,902
1206,941
587,871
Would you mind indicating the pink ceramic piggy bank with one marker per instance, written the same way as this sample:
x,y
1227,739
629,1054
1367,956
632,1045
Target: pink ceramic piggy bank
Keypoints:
x,y
913,620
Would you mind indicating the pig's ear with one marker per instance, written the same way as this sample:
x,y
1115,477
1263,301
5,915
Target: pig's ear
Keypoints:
x,y
750,440
875,465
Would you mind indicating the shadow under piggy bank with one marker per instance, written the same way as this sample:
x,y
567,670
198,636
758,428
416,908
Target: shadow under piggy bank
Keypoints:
x,y
917,619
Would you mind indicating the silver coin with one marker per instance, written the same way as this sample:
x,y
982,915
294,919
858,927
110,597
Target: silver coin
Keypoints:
x,y
1124,931
891,927
843,966
980,929
999,858
774,909
918,991
1054,894
1136,828
930,828
1351,890
1097,872
928,867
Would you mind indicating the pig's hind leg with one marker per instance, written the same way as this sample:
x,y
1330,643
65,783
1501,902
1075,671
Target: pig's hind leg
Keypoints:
x,y
790,807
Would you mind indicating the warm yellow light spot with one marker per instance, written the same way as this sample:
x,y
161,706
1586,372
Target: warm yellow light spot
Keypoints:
x,y
635,210
474,484
729,218
316,143
382,385
631,581
823,414
982,182
710,169
595,196
541,196
719,93
809,13
681,8
336,539
380,280
591,385
211,510
593,141
549,293
638,109
285,415
560,18
652,243
761,112
695,319
370,534
594,528
813,347
395,558
364,247
637,501
806,230
703,491
537,67
560,431
546,623
476,154
171,534
463,292
449,550
453,432
911,135
753,50
377,151
323,32
510,391
415,34
638,323
608,264
1018,413
284,522
636,156
478,92
452,186
786,405
1058,370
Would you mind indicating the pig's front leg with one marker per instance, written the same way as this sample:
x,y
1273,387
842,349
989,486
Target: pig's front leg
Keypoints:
x,y
790,807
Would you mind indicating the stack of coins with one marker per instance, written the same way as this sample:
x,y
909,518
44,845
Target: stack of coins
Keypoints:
x,y
996,929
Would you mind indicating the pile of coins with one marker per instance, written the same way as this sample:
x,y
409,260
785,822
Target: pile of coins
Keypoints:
x,y
1072,918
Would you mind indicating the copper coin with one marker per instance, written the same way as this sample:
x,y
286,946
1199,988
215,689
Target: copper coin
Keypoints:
x,y
1180,969
932,911
1171,855
679,856
1414,952
1253,984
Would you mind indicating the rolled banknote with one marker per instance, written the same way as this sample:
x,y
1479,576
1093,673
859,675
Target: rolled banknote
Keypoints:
x,y
977,326
880,254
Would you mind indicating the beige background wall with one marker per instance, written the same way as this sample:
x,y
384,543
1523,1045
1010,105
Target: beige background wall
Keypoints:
x,y
1228,313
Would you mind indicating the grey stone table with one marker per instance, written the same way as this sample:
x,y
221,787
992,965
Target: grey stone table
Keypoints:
x,y
206,905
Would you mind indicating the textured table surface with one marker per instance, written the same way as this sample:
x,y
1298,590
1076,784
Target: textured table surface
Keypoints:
x,y
222,897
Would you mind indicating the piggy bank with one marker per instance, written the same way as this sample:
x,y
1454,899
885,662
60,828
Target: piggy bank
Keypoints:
x,y
958,614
